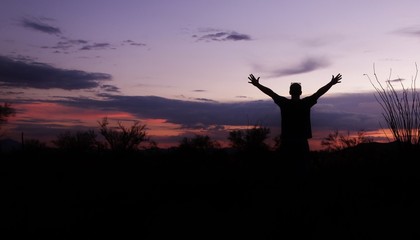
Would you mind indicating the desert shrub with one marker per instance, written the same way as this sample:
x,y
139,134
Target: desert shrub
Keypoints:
x,y
250,139
401,108
198,143
121,138
78,141
34,145
337,141
6,111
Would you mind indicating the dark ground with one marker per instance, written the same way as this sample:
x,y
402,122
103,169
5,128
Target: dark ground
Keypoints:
x,y
371,192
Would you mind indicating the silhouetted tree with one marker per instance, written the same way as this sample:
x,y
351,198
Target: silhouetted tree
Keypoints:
x,y
250,139
34,145
79,141
336,141
121,138
5,112
198,142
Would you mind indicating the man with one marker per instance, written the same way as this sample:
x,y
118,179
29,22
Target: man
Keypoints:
x,y
295,115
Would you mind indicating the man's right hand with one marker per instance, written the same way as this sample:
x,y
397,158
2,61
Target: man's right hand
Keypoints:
x,y
336,79
254,81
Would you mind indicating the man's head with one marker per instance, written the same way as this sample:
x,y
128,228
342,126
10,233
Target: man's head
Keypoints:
x,y
295,90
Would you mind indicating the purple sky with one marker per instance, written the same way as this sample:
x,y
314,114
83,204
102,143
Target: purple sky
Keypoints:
x,y
182,66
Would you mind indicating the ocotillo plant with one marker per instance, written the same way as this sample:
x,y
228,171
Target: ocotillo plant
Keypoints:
x,y
401,108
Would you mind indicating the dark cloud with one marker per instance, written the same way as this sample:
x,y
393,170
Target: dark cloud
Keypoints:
x,y
410,31
307,65
67,44
96,46
11,93
350,112
237,36
241,97
199,90
24,74
186,113
354,112
133,43
218,35
64,45
205,99
396,80
38,25
110,88
345,112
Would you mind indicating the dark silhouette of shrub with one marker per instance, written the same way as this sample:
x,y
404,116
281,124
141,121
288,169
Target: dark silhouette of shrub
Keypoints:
x,y
198,143
121,138
337,141
6,111
401,108
79,141
252,139
34,145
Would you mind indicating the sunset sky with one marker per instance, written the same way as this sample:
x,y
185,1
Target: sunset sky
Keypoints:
x,y
181,66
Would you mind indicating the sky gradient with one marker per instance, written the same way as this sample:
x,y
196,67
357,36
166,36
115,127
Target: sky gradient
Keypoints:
x,y
181,67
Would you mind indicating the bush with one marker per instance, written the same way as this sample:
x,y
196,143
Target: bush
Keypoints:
x,y
401,109
198,143
337,141
121,138
252,139
79,141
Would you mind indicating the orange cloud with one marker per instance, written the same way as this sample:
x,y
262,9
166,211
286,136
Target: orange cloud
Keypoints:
x,y
161,127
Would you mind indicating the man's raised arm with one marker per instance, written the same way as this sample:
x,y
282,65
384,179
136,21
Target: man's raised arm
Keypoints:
x,y
255,81
324,89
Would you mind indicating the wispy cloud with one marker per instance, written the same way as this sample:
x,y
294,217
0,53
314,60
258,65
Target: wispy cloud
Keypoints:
x,y
65,44
205,100
110,88
409,31
38,24
209,35
396,80
97,46
11,93
133,43
243,97
24,74
307,65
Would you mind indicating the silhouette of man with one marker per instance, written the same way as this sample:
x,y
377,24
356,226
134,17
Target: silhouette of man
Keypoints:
x,y
295,115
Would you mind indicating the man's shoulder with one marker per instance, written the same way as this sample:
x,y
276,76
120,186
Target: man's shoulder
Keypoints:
x,y
280,99
310,99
